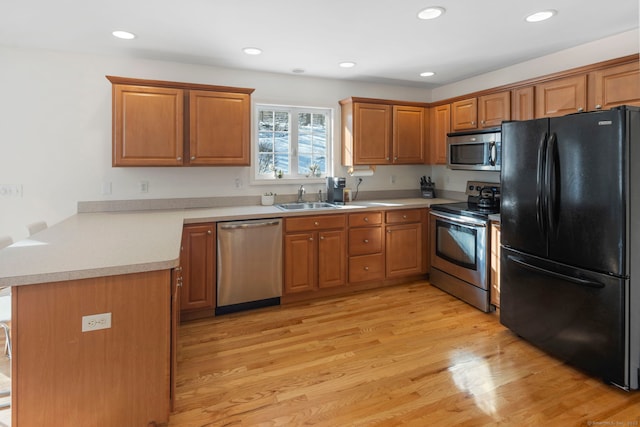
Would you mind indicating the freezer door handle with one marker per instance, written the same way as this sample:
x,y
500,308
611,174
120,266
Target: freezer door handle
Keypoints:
x,y
540,186
551,183
576,280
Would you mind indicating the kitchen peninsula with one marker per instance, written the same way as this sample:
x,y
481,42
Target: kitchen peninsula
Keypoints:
x,y
122,263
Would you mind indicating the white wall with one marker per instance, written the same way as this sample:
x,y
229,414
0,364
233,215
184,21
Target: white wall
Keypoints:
x,y
616,46
55,132
55,127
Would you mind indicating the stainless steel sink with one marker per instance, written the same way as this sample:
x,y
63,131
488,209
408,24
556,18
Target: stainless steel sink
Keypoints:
x,y
306,206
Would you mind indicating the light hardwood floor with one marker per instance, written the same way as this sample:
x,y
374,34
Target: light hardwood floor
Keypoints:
x,y
406,355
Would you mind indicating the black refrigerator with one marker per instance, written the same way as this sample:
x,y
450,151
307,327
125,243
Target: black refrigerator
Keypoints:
x,y
570,239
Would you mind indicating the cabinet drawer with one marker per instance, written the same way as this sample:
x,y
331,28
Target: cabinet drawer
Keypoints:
x,y
305,223
364,219
366,240
405,215
366,267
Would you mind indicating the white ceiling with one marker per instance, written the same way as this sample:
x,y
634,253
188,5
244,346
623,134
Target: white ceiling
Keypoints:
x,y
384,37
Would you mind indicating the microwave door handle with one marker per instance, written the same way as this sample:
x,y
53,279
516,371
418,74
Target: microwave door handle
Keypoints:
x,y
492,153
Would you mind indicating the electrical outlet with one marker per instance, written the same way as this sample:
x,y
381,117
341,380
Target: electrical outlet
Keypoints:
x,y
143,186
10,190
95,322
393,179
238,183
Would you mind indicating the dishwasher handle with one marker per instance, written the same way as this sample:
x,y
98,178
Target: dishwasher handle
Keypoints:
x,y
245,225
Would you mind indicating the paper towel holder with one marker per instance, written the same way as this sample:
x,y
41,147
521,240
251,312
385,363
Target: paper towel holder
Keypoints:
x,y
368,171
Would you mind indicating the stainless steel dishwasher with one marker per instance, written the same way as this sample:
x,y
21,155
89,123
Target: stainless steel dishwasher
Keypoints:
x,y
249,264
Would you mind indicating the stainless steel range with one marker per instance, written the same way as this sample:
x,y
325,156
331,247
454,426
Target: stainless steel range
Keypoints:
x,y
460,244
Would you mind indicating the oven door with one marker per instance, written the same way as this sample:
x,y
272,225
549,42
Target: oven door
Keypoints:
x,y
459,247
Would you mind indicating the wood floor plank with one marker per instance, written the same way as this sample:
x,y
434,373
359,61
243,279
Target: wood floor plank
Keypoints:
x,y
405,355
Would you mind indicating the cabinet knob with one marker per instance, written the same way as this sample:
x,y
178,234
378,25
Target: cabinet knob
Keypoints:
x,y
179,158
193,157
395,158
366,269
366,240
598,107
389,231
366,219
386,158
321,237
311,239
209,232
404,217
482,122
316,223
473,123
580,109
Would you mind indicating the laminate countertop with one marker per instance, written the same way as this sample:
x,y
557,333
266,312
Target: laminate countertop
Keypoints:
x,y
88,245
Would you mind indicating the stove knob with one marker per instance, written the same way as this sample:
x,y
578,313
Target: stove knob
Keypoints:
x,y
471,188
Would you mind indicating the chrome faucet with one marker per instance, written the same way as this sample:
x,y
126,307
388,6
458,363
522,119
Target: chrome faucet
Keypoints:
x,y
300,193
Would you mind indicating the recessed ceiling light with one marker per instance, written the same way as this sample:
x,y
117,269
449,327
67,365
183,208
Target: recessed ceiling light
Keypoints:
x,y
347,64
252,51
431,12
123,35
540,16
427,74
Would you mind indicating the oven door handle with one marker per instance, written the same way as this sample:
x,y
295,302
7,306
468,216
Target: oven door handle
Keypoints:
x,y
460,219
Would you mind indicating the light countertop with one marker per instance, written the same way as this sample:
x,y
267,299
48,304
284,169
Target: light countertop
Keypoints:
x,y
88,245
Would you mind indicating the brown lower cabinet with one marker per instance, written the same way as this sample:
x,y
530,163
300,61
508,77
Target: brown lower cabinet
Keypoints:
x,y
63,376
314,253
198,261
405,242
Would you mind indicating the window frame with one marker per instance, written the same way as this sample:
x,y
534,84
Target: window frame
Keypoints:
x,y
292,110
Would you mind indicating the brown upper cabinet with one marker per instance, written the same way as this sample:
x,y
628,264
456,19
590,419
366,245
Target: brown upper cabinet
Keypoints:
x,y
493,109
440,127
464,115
522,107
560,97
381,132
614,86
482,112
158,123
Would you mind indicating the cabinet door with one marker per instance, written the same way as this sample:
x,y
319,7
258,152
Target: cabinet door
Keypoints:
x,y
219,128
523,105
371,134
299,262
198,268
147,126
494,109
409,130
464,114
332,270
614,86
561,97
440,127
404,247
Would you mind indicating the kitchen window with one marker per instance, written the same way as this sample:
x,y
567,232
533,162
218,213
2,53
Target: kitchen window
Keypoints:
x,y
292,143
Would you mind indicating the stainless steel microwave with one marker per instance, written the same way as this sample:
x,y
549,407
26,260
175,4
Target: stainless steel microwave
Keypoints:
x,y
475,150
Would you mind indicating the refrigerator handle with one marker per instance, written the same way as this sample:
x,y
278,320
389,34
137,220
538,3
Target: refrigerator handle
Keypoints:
x,y
551,183
572,279
541,200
